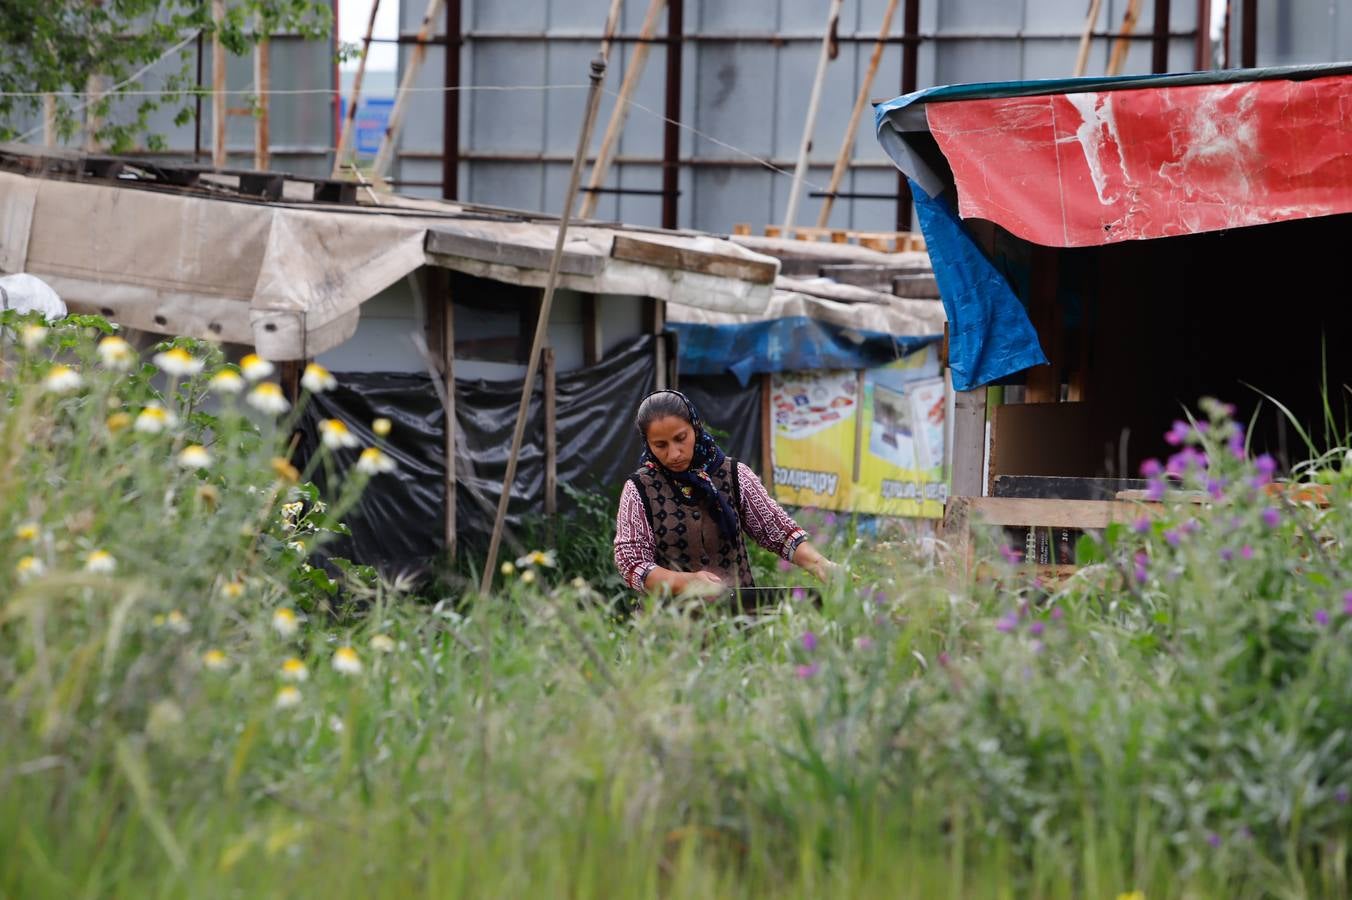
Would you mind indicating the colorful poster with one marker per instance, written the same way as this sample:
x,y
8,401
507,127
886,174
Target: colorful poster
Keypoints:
x,y
870,442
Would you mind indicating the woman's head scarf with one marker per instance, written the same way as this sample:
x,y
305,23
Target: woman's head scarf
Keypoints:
x,y
695,481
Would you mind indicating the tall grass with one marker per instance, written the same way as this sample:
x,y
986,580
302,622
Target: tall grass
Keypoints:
x,y
1172,720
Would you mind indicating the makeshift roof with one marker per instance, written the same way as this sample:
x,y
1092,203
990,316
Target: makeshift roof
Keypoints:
x,y
1093,161
185,251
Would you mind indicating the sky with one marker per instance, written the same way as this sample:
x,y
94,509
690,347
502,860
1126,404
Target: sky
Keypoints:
x,y
352,18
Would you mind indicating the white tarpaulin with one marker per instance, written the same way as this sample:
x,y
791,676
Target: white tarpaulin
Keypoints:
x,y
289,279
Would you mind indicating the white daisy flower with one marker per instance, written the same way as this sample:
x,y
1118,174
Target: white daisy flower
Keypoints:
x,y
32,336
382,643
194,456
381,426
346,661
177,622
255,367
154,419
294,670
29,567
317,379
374,461
335,433
62,379
178,362
100,562
285,623
28,531
116,353
288,696
226,381
268,398
215,661
232,590
543,558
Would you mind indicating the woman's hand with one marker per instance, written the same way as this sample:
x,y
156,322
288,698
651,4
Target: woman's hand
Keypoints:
x,y
693,583
807,557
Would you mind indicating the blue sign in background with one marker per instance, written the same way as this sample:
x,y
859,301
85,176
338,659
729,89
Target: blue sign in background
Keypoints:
x,y
373,117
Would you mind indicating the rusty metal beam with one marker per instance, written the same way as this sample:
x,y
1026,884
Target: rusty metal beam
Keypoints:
x,y
450,105
671,134
1159,38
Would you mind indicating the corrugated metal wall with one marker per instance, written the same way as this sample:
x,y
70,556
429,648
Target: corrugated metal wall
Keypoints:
x,y
747,72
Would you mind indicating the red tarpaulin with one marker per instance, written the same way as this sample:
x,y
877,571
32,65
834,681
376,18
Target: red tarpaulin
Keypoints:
x,y
1077,170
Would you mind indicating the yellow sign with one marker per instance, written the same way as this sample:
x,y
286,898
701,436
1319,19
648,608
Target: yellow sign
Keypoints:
x,y
868,442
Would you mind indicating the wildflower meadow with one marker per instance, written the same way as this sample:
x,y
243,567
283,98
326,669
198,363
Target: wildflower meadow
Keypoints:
x,y
196,700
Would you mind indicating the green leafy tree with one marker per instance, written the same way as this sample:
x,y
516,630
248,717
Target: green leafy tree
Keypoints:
x,y
57,46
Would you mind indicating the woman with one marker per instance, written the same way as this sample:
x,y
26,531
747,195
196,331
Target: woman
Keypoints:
x,y
683,513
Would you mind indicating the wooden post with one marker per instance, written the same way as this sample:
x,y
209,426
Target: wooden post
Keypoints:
x,y
847,145
94,87
49,120
632,75
551,437
660,351
262,82
608,33
217,86
447,305
386,151
767,429
349,120
598,71
1118,57
1086,36
969,442
805,145
858,425
591,330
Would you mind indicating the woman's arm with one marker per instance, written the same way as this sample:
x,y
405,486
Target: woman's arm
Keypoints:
x,y
634,551
679,582
774,529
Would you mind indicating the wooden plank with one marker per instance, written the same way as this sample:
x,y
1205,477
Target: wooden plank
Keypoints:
x,y
667,256
1082,57
445,247
551,435
262,87
217,85
969,442
742,228
447,340
1081,514
957,533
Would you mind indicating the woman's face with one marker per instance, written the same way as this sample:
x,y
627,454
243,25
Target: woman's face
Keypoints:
x,y
672,440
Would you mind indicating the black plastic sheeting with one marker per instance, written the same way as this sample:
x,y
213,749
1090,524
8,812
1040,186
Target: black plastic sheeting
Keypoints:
x,y
397,523
731,411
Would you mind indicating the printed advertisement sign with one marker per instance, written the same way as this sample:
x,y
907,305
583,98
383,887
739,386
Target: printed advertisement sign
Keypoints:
x,y
869,442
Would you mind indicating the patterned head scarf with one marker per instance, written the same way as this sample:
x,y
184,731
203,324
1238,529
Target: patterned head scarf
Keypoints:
x,y
695,481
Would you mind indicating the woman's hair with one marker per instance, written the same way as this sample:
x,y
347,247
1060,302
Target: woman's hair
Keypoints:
x,y
659,406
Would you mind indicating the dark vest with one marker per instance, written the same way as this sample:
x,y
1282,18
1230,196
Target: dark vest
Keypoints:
x,y
685,534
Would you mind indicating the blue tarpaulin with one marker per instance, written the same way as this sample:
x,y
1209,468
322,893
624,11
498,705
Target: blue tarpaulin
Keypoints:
x,y
791,343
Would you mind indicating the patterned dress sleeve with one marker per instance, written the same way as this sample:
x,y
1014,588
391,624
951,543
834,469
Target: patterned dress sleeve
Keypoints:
x,y
633,539
764,519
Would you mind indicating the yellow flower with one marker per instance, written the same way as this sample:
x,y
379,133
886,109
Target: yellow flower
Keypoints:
x,y
507,568
346,661
115,353
255,367
528,576
287,697
32,336
285,623
317,379
538,558
62,379
154,419
194,456
1133,895
215,660
382,643
177,622
381,426
118,421
232,590
226,381
177,361
285,471
294,670
100,562
335,433
157,620
268,398
374,461
29,567
28,531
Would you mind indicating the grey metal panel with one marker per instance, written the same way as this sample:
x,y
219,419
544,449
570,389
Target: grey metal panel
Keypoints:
x,y
809,17
874,215
1053,16
504,184
978,60
1056,59
797,69
507,121
721,16
569,63
643,130
886,85
816,179
639,209
729,98
722,197
422,125
301,118
1297,31
980,16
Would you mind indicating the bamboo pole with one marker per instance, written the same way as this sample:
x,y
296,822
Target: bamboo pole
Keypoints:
x,y
94,89
1082,58
1121,45
608,33
847,146
262,82
49,120
800,170
349,121
598,71
633,73
217,86
386,151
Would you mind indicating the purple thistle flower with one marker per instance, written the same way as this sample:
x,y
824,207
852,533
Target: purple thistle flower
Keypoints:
x,y
1227,554
1228,410
1321,617
1012,556
829,519
1142,572
1213,839
1036,627
1271,517
1192,526
798,593
863,643
1007,623
1178,434
1155,492
809,641
1265,464
1246,552
1038,646
880,597
784,565
943,658
807,671
1215,488
1058,613
1151,468
1347,604
1173,537
1342,796
1236,445
1141,525
1178,463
